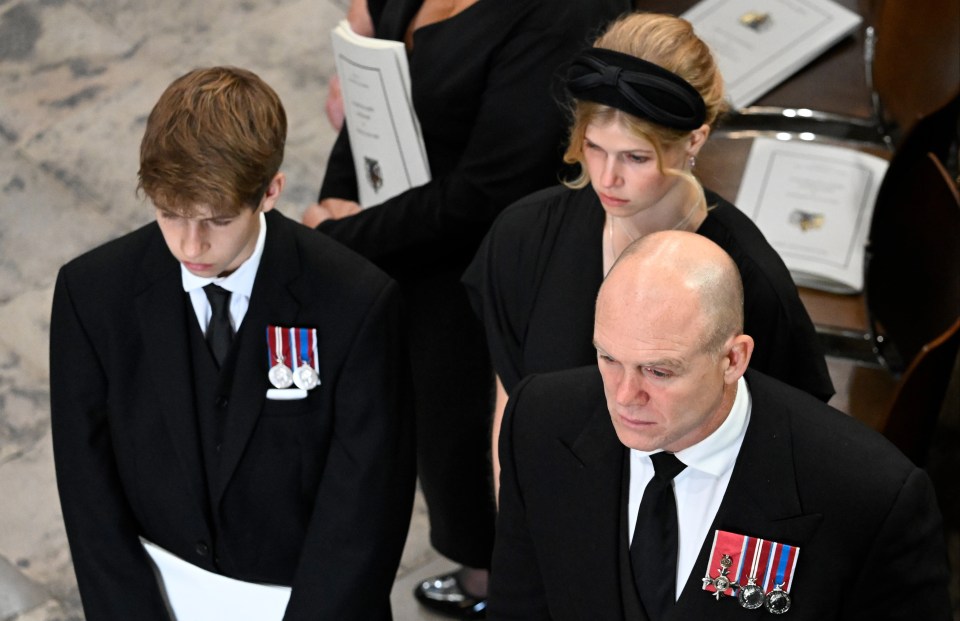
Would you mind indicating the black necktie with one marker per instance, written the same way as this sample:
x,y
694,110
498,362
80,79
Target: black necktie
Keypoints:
x,y
219,330
653,552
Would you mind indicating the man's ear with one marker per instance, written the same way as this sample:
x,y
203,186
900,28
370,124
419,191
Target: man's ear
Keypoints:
x,y
737,354
274,190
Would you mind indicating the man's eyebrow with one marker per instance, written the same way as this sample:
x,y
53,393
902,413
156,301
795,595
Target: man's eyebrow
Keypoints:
x,y
671,363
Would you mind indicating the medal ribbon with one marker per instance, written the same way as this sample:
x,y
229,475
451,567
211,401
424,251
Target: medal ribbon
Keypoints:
x,y
279,350
295,351
740,563
748,551
785,559
725,544
756,564
308,348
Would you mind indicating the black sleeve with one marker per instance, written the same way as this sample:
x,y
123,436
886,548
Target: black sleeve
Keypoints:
x,y
500,283
516,586
513,146
115,577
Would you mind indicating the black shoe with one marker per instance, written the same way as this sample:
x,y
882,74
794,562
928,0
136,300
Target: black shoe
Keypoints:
x,y
445,595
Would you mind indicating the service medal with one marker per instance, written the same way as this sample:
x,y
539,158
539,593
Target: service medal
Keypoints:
x,y
778,601
727,552
781,565
751,595
280,375
721,582
307,374
305,377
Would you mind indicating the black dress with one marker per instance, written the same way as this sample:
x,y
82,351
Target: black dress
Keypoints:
x,y
485,90
536,276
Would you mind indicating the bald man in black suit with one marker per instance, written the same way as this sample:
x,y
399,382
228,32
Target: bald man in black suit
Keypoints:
x,y
843,526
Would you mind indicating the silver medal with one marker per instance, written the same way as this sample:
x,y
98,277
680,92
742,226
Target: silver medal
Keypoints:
x,y
751,595
721,582
280,375
306,377
778,600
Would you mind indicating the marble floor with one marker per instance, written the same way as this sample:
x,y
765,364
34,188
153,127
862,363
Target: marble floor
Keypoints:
x,y
77,79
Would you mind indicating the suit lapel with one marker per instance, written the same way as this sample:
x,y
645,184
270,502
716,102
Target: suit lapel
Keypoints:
x,y
272,302
761,499
594,507
163,313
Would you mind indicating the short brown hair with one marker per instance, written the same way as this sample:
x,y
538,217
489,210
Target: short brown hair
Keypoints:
x,y
670,43
214,138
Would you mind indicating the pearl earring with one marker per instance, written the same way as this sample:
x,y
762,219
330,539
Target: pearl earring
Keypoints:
x,y
693,162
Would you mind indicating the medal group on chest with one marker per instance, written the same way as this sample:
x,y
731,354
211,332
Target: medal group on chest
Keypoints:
x,y
292,362
757,572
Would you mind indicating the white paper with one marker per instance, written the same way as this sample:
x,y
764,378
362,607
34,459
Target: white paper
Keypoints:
x,y
195,594
814,204
388,150
755,60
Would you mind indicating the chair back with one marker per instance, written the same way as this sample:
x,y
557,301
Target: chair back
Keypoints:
x,y
912,284
916,63
912,418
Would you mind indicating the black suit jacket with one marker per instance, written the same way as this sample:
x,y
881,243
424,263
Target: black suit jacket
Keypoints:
x,y
864,517
315,494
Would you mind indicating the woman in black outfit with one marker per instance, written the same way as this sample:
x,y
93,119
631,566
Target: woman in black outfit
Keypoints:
x,y
484,89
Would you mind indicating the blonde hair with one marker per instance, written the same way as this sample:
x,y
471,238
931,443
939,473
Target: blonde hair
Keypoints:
x,y
670,43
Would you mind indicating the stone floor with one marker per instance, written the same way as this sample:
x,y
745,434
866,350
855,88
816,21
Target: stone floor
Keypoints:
x,y
77,79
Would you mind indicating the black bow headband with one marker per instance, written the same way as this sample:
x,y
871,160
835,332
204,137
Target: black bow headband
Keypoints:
x,y
636,87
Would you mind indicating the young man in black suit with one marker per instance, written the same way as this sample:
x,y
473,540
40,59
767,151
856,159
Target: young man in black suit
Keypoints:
x,y
228,389
676,484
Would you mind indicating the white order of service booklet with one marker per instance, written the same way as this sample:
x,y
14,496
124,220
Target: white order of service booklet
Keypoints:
x,y
385,137
193,593
814,204
760,44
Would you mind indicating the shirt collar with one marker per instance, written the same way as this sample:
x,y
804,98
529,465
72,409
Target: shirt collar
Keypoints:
x,y
241,279
717,453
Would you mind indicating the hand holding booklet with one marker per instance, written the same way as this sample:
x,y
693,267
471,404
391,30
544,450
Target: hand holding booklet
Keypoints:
x,y
388,150
814,204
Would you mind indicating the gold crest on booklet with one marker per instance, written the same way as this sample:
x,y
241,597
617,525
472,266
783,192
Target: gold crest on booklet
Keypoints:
x,y
806,220
755,20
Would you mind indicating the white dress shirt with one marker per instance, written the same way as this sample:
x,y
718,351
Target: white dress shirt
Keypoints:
x,y
700,487
239,283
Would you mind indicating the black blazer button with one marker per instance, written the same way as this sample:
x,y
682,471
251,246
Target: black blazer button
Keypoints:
x,y
222,402
202,548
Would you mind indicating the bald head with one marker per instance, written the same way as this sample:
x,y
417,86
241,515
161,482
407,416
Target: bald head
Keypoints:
x,y
670,347
678,273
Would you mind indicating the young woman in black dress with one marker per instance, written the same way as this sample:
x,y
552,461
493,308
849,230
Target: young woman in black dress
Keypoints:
x,y
645,98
